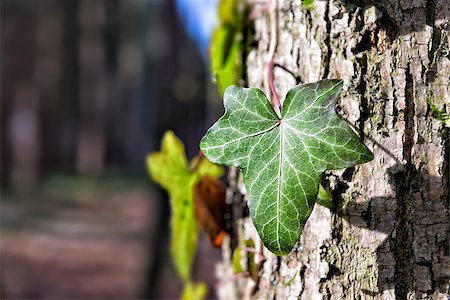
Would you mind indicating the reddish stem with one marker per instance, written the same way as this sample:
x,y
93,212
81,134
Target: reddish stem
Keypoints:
x,y
272,86
248,249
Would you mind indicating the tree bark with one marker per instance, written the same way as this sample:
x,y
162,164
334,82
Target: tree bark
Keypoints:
x,y
388,235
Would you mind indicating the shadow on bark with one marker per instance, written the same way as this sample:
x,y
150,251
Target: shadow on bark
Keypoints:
x,y
414,255
402,19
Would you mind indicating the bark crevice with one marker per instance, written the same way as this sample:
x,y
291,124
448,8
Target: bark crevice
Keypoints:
x,y
403,238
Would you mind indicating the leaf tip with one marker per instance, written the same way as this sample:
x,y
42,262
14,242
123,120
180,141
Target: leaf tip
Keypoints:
x,y
168,136
152,164
149,160
280,253
369,155
203,145
366,154
337,84
284,247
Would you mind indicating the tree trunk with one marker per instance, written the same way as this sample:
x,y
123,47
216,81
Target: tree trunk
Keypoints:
x,y
388,235
93,91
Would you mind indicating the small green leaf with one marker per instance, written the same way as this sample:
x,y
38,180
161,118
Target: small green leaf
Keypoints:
x,y
282,160
324,198
237,268
289,282
226,45
437,113
308,4
194,291
250,258
169,168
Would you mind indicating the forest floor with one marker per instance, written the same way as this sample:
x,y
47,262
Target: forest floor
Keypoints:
x,y
76,243
78,238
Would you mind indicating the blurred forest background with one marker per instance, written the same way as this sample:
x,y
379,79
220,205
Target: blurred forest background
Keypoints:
x,y
88,87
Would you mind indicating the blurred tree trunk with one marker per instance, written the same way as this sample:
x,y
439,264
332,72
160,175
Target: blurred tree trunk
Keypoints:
x,y
93,92
20,94
388,237
48,79
131,106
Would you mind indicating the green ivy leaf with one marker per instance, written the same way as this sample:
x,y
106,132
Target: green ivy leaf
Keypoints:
x,y
236,260
226,45
194,291
282,160
170,169
308,4
324,198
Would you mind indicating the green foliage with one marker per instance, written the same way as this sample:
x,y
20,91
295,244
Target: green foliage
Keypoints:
x,y
308,4
282,160
170,169
226,45
437,113
289,282
324,198
194,291
237,268
250,258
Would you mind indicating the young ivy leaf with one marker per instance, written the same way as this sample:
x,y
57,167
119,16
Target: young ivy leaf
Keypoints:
x,y
282,159
170,169
194,291
226,44
324,198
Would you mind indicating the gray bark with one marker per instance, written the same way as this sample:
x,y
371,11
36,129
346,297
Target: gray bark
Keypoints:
x,y
388,237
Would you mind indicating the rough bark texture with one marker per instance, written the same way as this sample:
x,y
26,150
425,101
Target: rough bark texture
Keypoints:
x,y
388,237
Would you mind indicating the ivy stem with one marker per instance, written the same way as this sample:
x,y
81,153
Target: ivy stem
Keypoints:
x,y
275,100
249,249
272,86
